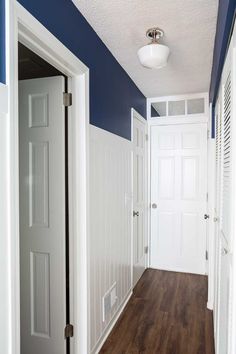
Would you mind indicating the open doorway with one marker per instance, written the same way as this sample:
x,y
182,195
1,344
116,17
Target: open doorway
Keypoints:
x,y
44,206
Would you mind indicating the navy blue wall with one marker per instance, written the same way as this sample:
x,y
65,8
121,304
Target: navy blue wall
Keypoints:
x,y
224,24
112,92
2,42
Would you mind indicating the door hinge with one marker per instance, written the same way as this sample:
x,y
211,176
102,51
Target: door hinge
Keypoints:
x,y
208,134
146,250
146,135
207,197
69,331
206,255
67,99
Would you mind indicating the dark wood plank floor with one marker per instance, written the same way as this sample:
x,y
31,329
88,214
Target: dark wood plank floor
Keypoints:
x,y
166,315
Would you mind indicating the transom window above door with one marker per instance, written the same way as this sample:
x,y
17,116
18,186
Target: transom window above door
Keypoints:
x,y
175,106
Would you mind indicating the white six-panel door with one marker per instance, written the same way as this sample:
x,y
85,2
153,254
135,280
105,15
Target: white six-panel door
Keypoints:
x,y
139,204
42,216
178,197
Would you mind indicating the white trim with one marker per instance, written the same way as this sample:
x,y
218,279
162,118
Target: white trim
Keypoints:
x,y
138,116
35,36
183,96
3,99
132,198
177,120
5,292
104,337
149,192
32,32
12,185
211,223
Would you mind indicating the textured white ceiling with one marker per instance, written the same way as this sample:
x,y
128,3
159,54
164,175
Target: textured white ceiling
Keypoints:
x,y
189,27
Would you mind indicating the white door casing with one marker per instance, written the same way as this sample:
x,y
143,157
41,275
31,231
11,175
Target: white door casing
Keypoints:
x,y
24,27
178,197
42,215
218,137
139,198
211,151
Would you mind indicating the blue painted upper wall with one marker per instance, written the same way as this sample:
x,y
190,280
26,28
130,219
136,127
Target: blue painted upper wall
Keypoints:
x,y
225,19
2,43
112,92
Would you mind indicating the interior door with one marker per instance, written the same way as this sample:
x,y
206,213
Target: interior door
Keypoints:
x,y
224,293
139,213
42,215
224,207
218,138
178,197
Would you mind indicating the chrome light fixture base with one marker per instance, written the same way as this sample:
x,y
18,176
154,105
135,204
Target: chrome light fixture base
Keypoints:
x,y
154,34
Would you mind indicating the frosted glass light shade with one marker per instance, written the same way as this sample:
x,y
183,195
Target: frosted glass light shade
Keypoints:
x,y
154,55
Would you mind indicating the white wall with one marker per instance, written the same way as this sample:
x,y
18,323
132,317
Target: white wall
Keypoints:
x,y
4,223
110,226
3,234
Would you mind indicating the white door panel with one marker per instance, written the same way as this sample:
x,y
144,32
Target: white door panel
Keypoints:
x,y
139,220
224,298
178,197
42,216
225,136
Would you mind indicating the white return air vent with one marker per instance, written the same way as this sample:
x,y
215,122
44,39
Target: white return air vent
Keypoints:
x,y
108,302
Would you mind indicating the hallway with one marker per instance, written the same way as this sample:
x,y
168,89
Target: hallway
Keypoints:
x,y
166,315
118,177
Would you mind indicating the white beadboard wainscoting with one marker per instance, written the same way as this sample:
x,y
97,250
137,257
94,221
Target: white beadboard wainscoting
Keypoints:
x,y
110,229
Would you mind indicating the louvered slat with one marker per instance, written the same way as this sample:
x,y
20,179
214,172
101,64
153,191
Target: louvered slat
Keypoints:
x,y
226,156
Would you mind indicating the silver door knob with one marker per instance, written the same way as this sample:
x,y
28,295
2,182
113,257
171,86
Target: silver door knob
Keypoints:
x,y
135,213
154,206
224,251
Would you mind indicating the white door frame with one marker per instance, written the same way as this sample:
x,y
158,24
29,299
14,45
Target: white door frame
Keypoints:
x,y
160,122
22,26
135,114
211,176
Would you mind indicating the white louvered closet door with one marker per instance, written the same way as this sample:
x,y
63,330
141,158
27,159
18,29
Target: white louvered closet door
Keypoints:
x,y
217,207
225,204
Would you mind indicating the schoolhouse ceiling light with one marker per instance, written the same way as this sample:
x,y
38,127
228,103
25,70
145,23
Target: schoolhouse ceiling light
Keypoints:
x,y
154,55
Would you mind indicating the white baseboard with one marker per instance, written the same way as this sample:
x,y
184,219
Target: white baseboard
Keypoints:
x,y
210,305
112,324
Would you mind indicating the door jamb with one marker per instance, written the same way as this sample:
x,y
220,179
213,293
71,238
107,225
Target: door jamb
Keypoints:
x,y
211,177
22,26
135,114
